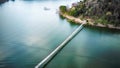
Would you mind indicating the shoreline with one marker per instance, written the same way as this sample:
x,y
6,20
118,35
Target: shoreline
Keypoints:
x,y
87,22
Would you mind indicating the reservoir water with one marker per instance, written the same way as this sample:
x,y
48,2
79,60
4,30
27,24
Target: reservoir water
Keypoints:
x,y
30,30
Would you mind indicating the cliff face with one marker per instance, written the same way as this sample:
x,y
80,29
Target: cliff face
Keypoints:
x,y
108,10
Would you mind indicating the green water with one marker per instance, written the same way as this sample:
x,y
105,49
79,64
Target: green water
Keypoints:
x,y
28,33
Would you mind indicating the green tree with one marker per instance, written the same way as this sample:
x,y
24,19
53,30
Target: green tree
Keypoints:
x,y
63,9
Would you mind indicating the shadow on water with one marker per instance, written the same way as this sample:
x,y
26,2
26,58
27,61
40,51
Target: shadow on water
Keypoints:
x,y
108,59
103,30
109,56
3,1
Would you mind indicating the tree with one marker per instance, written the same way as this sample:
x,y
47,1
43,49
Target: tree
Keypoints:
x,y
63,9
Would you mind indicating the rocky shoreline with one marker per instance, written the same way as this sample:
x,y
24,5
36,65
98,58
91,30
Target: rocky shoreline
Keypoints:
x,y
87,21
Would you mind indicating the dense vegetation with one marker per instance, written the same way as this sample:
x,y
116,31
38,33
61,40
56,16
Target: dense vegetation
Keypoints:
x,y
102,11
63,9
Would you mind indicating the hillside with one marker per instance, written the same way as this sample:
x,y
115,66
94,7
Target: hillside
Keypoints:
x,y
101,11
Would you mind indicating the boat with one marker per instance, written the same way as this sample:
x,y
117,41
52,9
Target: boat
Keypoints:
x,y
46,8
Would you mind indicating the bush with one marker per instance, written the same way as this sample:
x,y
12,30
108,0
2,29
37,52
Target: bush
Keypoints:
x,y
100,20
105,22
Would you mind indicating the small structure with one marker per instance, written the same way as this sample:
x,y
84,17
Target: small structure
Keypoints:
x,y
45,8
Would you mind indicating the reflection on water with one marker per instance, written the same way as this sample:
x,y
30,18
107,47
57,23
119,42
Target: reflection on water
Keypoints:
x,y
3,1
91,48
28,33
